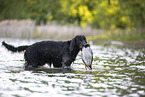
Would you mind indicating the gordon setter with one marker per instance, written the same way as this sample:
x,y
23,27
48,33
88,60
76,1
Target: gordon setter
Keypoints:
x,y
58,53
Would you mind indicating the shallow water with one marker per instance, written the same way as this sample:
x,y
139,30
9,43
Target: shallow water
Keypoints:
x,y
116,72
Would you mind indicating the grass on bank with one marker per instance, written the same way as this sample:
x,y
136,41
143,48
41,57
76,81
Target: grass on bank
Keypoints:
x,y
125,38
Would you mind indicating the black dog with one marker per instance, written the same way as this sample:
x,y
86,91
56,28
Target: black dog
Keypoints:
x,y
61,54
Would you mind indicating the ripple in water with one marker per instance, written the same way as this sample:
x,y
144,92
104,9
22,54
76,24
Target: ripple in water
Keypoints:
x,y
116,72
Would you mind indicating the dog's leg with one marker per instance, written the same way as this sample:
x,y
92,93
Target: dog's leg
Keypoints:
x,y
66,62
63,65
29,66
66,69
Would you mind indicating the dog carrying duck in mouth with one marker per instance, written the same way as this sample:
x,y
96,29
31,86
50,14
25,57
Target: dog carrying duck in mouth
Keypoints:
x,y
58,53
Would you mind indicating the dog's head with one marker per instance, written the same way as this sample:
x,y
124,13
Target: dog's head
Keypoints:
x,y
78,42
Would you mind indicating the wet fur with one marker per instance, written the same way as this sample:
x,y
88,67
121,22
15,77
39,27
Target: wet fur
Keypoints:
x,y
60,53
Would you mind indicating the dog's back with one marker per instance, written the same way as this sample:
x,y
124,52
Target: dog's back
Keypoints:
x,y
59,53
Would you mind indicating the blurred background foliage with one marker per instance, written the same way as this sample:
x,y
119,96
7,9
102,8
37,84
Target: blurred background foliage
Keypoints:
x,y
100,14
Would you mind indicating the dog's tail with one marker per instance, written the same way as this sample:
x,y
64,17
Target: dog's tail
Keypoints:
x,y
14,49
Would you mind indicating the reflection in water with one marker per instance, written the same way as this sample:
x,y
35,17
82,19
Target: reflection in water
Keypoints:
x,y
53,70
116,72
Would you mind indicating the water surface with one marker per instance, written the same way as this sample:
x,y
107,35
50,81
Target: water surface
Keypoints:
x,y
116,72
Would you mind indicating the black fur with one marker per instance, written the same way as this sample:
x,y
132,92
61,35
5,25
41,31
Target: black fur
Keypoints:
x,y
14,49
59,53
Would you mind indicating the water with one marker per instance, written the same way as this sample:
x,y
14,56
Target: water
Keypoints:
x,y
116,72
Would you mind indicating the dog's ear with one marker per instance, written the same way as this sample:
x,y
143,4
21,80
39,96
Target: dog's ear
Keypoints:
x,y
72,45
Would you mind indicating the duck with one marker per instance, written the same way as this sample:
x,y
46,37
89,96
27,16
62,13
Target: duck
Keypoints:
x,y
87,56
